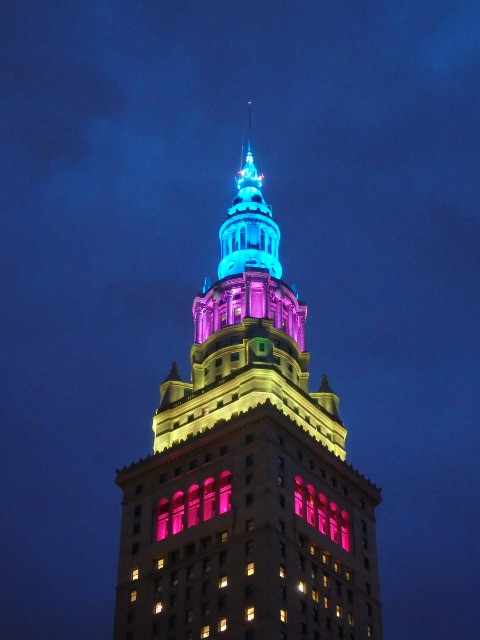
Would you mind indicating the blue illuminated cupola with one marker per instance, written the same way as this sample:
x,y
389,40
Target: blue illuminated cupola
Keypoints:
x,y
249,237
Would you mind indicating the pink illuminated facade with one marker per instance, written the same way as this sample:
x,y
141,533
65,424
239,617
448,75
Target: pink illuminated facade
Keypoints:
x,y
319,512
247,523
197,504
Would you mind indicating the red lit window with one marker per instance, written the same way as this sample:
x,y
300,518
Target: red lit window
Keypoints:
x,y
178,508
322,514
345,525
208,498
298,496
225,491
162,519
193,513
333,522
310,505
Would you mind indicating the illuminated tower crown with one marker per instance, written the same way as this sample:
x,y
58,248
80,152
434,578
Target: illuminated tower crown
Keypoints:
x,y
250,236
249,336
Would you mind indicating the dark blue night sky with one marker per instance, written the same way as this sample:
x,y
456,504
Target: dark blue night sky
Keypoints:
x,y
122,125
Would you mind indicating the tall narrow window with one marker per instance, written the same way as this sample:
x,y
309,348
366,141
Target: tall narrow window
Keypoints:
x,y
345,527
178,508
298,496
310,505
162,519
208,498
242,238
322,513
193,513
262,239
333,522
225,491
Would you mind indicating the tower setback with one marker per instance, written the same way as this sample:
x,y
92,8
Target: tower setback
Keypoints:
x,y
247,523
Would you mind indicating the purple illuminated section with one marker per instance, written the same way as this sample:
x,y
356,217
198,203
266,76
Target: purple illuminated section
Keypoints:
x,y
318,512
162,519
178,509
208,499
310,505
252,294
186,509
298,496
322,513
225,492
193,517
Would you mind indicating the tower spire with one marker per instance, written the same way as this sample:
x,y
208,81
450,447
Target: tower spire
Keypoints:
x,y
249,124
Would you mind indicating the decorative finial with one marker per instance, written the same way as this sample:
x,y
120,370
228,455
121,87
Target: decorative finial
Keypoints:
x,y
174,374
324,386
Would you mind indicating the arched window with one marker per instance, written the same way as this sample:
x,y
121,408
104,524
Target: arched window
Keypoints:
x,y
208,498
333,522
262,239
345,526
178,508
310,505
193,513
322,514
243,244
225,492
162,519
298,495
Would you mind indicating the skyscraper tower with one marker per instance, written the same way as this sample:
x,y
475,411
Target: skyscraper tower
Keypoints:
x,y
247,523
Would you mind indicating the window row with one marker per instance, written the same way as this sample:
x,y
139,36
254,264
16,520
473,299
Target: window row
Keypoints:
x,y
198,504
318,511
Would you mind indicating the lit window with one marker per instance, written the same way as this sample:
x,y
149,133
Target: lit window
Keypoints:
x,y
222,624
225,492
249,613
208,498
298,496
205,631
157,608
163,512
348,575
250,568
301,586
223,536
325,558
369,631
315,594
326,602
334,522
338,610
283,615
159,563
133,595
313,549
310,504
282,571
193,505
222,582
326,580
337,567
351,619
134,574
178,509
